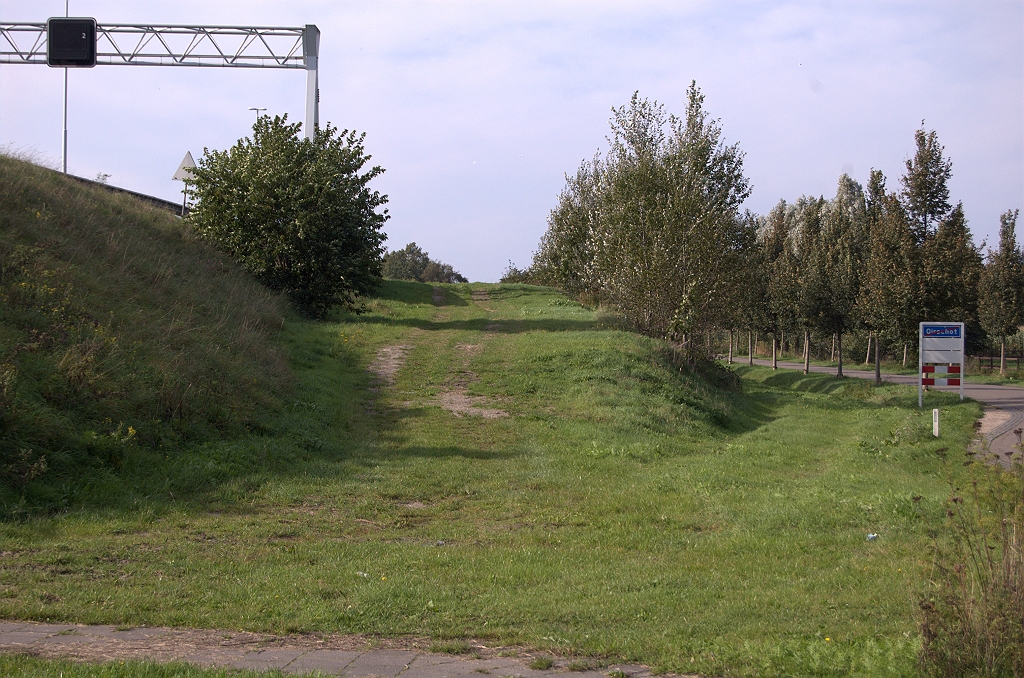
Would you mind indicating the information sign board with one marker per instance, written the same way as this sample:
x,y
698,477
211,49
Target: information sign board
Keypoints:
x,y
71,41
940,357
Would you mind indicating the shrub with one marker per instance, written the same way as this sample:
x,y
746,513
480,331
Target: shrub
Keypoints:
x,y
296,213
972,621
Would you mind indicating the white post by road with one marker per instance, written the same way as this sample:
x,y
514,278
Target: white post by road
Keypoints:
x,y
311,54
935,423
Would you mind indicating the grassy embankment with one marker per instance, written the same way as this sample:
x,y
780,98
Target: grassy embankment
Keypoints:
x,y
121,337
622,509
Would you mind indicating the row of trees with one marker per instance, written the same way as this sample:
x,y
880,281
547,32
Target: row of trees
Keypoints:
x,y
654,229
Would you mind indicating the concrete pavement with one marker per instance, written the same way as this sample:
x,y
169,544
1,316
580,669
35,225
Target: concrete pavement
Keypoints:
x,y
349,656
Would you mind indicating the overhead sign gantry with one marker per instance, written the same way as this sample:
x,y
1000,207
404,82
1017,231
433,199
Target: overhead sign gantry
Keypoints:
x,y
80,42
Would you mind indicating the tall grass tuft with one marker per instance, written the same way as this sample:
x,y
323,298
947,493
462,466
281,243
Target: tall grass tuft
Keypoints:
x,y
972,619
119,331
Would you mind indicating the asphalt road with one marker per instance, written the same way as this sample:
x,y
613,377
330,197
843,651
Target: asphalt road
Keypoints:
x,y
1009,399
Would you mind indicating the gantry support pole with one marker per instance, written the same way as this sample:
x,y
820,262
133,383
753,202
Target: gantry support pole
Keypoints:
x,y
311,54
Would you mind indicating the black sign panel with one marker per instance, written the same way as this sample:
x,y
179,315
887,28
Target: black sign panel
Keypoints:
x,y
71,42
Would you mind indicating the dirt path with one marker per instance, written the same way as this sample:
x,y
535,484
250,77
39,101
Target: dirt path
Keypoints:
x,y
454,396
354,656
386,364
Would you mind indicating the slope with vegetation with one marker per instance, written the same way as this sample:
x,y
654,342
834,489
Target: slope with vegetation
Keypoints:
x,y
122,338
499,462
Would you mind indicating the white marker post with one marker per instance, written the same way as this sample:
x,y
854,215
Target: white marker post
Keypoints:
x,y
935,422
941,345
184,173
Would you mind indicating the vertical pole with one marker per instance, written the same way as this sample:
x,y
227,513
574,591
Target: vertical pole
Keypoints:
x,y
311,55
878,364
64,142
920,366
963,358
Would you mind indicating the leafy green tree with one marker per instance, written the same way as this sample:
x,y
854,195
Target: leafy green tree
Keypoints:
x,y
1001,287
296,213
779,307
925,193
668,235
840,258
890,302
412,263
951,270
566,254
407,263
437,272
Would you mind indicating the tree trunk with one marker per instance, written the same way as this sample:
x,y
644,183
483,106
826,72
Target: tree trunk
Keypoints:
x,y
867,356
750,347
832,355
1002,357
730,347
904,354
838,338
775,360
782,343
807,350
755,343
878,365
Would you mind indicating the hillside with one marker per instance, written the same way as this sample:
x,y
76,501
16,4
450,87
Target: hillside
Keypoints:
x,y
497,462
122,339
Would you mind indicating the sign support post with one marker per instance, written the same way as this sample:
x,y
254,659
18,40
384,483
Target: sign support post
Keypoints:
x,y
941,345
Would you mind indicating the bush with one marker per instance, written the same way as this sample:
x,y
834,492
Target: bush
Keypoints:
x,y
296,213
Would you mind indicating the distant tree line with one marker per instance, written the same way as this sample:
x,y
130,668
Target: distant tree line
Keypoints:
x,y
412,263
654,229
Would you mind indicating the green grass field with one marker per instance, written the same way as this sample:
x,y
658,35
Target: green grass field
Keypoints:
x,y
622,508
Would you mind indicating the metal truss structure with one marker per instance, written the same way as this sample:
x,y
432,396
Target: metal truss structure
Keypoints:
x,y
196,46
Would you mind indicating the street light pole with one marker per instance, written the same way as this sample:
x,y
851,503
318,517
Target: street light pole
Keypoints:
x,y
257,112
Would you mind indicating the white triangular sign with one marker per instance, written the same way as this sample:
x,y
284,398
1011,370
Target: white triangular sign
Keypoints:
x,y
185,168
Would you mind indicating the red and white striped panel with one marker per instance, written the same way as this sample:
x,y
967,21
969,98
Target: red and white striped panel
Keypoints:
x,y
941,369
928,378
940,382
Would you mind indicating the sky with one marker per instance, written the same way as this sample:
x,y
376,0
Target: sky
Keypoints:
x,y
477,110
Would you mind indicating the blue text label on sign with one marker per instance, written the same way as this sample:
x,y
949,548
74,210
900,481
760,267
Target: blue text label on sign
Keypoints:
x,y
941,331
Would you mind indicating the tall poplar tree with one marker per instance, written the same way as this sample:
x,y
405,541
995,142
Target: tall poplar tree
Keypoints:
x,y
839,260
925,192
951,270
1001,289
890,302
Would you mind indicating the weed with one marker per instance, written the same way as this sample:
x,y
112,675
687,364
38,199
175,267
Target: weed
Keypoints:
x,y
541,663
580,665
450,647
971,616
617,673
